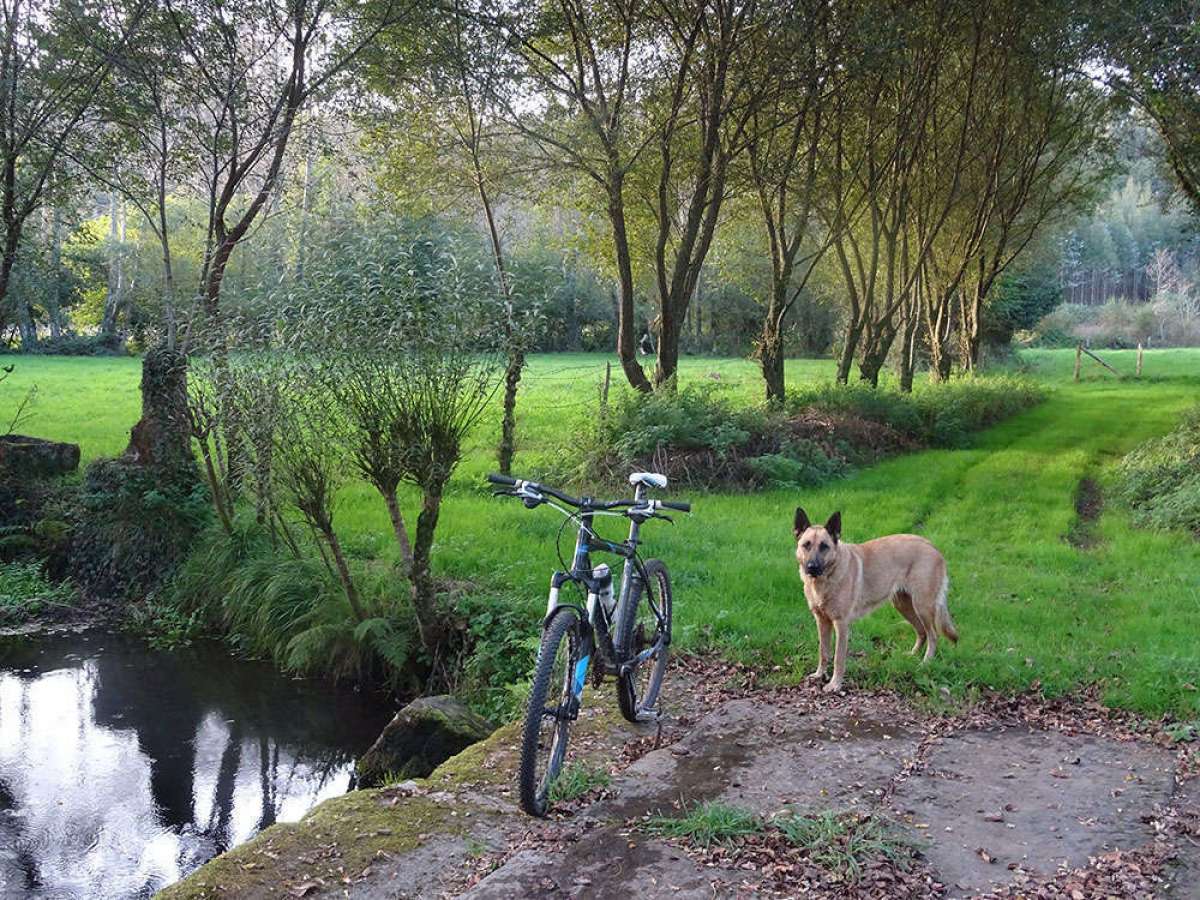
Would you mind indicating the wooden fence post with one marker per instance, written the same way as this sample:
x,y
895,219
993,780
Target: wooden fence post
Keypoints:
x,y
1078,358
1139,362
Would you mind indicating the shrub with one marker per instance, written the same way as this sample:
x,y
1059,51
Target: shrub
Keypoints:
x,y
1161,478
936,414
501,639
800,463
26,592
697,417
80,345
1170,321
268,603
698,436
132,527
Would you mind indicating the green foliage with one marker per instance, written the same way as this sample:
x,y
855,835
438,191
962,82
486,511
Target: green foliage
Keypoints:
x,y
699,435
80,345
696,417
133,526
576,780
163,625
268,603
501,644
706,824
1161,478
943,414
800,463
25,592
842,842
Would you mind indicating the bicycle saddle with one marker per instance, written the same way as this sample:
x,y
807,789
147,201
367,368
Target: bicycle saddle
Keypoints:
x,y
650,479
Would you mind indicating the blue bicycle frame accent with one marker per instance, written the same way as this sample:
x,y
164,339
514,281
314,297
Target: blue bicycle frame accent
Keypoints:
x,y
581,668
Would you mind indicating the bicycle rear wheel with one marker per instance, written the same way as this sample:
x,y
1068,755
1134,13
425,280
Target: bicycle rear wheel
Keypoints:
x,y
552,707
643,641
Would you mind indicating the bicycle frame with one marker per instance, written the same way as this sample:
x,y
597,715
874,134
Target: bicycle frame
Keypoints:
x,y
597,630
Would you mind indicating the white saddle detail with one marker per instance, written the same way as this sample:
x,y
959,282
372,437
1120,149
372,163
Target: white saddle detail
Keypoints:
x,y
650,479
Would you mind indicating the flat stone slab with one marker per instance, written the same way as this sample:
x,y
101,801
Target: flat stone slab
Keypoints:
x,y
750,754
1033,798
1185,873
603,865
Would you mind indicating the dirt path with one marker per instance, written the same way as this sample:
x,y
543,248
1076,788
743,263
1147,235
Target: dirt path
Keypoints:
x,y
1015,796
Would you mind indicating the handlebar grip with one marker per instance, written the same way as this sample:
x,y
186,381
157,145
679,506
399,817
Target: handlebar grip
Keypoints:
x,y
501,479
681,506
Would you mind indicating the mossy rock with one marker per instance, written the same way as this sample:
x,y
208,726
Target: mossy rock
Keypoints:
x,y
420,738
337,840
30,457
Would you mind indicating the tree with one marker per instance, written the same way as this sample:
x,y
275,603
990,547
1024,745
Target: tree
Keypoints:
x,y
405,345
1153,51
54,59
648,101
254,66
785,142
451,108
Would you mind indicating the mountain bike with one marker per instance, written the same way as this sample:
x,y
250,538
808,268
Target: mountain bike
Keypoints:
x,y
627,636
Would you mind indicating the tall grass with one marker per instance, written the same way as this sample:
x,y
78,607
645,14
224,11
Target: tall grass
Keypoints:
x,y
1161,478
270,604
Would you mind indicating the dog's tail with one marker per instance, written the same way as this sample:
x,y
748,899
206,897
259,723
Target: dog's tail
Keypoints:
x,y
941,612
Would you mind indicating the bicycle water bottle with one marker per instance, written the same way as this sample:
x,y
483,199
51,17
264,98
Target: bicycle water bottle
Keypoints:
x,y
603,576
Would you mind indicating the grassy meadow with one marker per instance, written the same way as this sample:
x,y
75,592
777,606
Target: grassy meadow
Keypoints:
x,y
1121,609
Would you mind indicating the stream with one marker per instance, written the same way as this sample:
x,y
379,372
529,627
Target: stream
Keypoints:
x,y
123,768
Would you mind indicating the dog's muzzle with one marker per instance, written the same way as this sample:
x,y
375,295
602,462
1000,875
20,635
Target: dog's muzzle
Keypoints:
x,y
814,569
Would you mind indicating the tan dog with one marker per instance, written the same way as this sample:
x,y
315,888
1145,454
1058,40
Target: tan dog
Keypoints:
x,y
843,582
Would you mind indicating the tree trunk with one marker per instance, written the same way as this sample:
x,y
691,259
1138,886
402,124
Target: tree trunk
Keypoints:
x,y
626,339
26,326
162,437
424,592
908,354
849,348
116,276
668,351
508,424
875,353
343,569
399,528
771,359
53,301
516,353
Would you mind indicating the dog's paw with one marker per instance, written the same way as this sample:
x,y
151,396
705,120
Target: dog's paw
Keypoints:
x,y
833,687
815,676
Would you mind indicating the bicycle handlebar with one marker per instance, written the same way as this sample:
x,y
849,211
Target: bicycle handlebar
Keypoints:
x,y
585,502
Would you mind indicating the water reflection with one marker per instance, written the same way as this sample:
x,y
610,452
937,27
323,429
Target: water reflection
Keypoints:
x,y
121,769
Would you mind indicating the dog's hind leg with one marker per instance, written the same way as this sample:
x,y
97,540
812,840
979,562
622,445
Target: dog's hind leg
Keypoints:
x,y
904,604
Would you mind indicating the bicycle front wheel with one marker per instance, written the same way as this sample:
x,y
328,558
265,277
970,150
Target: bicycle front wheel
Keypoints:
x,y
552,707
643,641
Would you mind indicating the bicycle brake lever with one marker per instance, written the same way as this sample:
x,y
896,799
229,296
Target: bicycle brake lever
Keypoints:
x,y
504,493
667,518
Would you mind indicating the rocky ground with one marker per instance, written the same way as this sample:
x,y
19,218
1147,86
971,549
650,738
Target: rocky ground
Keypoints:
x,y
1013,797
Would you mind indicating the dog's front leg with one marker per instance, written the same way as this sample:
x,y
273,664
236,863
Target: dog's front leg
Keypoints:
x,y
839,656
824,633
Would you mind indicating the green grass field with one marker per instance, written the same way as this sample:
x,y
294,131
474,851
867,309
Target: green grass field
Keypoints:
x,y
1031,606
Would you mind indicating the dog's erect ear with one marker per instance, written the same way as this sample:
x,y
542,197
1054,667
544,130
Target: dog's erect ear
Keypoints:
x,y
801,524
834,526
